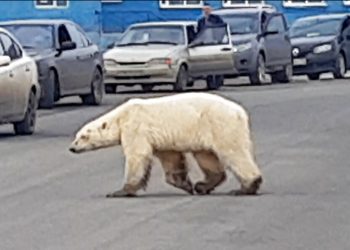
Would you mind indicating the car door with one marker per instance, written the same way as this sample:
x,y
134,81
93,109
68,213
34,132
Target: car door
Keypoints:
x,y
66,62
276,41
6,92
346,40
84,58
211,52
19,76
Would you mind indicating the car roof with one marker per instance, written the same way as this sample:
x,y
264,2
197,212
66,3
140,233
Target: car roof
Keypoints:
x,y
36,22
160,23
326,16
244,10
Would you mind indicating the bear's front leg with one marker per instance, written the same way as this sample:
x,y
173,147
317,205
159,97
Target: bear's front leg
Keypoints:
x,y
137,173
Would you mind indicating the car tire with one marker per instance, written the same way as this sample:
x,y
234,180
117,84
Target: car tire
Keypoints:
x,y
110,89
340,70
49,89
284,76
181,79
313,76
96,95
27,125
147,87
258,77
214,82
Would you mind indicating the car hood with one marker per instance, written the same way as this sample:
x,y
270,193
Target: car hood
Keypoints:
x,y
39,55
311,40
140,53
242,38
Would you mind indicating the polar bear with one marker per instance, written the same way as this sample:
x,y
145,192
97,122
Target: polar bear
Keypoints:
x,y
211,127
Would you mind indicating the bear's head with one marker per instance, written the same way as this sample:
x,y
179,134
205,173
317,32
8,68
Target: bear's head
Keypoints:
x,y
96,135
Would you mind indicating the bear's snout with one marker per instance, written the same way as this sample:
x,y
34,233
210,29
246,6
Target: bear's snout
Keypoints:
x,y
73,149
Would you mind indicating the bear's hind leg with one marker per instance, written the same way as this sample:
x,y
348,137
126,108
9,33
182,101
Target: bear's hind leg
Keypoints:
x,y
137,173
213,171
176,172
246,171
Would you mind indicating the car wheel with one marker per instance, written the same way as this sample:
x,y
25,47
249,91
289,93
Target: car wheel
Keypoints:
x,y
27,125
182,79
284,76
340,69
214,82
50,92
110,89
313,76
96,95
259,77
147,87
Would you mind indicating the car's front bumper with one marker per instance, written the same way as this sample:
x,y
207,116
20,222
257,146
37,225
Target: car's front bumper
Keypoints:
x,y
245,63
315,63
144,74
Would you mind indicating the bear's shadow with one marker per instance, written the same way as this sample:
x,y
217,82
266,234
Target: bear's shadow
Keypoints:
x,y
169,195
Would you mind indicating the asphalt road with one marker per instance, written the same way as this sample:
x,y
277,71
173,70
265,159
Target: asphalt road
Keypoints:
x,y
51,199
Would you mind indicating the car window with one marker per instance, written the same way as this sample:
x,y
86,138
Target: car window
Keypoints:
x,y
76,36
83,36
191,33
213,35
2,53
63,35
11,49
33,36
276,24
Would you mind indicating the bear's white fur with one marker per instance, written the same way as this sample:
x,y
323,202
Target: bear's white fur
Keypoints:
x,y
188,122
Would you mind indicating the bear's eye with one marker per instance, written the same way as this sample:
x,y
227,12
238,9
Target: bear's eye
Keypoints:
x,y
104,125
84,137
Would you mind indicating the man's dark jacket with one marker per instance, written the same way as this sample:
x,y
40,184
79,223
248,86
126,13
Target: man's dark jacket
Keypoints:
x,y
212,19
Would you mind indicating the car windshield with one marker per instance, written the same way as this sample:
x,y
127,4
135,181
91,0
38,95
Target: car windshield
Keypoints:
x,y
173,35
33,36
315,27
242,24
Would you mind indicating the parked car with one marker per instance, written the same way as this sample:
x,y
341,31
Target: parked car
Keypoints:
x,y
261,43
170,52
321,44
19,87
68,62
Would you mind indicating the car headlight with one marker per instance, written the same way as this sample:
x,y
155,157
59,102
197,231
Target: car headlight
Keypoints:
x,y
109,62
160,61
242,47
322,48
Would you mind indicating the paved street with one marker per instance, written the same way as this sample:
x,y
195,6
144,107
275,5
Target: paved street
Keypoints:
x,y
51,199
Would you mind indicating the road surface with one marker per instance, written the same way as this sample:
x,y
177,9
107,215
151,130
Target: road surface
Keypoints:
x,y
52,200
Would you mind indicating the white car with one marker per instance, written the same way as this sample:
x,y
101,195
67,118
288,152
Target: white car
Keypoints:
x,y
19,87
170,52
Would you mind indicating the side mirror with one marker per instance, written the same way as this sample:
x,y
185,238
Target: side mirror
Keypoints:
x,y
68,46
110,46
5,61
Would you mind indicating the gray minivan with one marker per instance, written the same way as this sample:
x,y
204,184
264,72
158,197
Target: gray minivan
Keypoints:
x,y
261,43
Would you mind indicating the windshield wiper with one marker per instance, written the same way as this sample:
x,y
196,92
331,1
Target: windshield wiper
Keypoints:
x,y
28,47
131,44
238,33
162,42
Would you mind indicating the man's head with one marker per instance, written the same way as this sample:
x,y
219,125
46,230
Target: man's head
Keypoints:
x,y
206,9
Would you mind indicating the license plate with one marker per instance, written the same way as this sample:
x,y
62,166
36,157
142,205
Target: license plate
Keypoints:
x,y
300,61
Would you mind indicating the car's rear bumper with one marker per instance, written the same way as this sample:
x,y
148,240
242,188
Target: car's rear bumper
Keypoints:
x,y
316,64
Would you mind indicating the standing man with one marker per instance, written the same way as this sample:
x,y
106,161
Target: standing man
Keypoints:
x,y
208,19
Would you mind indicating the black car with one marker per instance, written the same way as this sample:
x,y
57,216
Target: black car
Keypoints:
x,y
261,44
321,44
68,62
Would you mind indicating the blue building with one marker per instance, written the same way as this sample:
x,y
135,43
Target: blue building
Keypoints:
x,y
104,20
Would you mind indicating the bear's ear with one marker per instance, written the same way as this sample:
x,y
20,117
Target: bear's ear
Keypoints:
x,y
104,125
